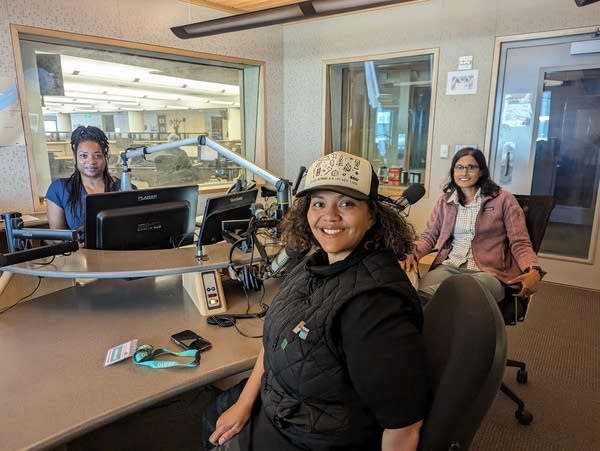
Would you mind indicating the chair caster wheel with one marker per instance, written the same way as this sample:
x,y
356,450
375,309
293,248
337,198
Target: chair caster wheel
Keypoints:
x,y
522,376
524,417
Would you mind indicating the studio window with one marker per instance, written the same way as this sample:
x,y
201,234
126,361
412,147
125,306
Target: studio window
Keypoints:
x,y
381,109
140,95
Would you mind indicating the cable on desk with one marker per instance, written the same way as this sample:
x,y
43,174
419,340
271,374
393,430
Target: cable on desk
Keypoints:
x,y
231,319
6,309
36,287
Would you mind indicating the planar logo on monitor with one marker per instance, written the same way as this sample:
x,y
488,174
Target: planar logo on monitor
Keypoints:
x,y
147,197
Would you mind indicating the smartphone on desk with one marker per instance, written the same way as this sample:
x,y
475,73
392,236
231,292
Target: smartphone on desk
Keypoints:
x,y
189,339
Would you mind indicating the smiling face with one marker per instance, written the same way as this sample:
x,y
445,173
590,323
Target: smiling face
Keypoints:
x,y
338,222
466,173
90,159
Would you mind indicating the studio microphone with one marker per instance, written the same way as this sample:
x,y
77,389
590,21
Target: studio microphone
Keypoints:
x,y
298,179
411,195
287,258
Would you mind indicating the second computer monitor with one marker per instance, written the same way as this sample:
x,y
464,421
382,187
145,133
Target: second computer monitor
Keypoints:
x,y
226,207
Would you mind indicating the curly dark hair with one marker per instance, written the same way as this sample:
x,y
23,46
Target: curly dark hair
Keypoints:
x,y
485,182
74,184
390,230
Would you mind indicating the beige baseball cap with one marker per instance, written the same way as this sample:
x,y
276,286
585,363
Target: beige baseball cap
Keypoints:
x,y
342,173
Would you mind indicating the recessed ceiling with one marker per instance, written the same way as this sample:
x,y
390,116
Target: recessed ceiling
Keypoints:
x,y
241,6
94,85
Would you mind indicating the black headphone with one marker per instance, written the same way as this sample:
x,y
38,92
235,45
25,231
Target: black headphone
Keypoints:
x,y
248,276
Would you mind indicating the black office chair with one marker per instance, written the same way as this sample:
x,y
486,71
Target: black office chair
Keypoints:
x,y
537,214
465,340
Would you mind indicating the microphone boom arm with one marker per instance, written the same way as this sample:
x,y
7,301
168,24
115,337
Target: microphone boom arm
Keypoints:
x,y
13,225
281,185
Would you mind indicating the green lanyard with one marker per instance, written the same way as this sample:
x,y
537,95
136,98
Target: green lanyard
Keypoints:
x,y
146,355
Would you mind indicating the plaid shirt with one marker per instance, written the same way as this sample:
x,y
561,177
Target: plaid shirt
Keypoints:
x,y
464,232
501,245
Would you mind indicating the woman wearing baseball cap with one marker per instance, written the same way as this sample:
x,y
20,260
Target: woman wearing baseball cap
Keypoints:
x,y
343,360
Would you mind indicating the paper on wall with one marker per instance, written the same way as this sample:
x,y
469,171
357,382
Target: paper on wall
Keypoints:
x,y
11,124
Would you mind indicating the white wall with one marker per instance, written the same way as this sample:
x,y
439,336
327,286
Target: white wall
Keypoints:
x,y
457,28
144,21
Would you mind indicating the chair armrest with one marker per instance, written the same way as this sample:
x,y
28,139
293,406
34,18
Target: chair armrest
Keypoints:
x,y
512,307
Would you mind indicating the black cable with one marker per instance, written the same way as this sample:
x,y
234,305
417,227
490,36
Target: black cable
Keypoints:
x,y
244,334
6,309
49,261
183,237
233,248
36,287
231,319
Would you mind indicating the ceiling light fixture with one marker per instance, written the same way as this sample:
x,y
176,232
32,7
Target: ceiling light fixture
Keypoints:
x,y
277,15
110,71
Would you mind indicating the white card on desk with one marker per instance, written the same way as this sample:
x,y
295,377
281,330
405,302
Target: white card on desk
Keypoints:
x,y
120,352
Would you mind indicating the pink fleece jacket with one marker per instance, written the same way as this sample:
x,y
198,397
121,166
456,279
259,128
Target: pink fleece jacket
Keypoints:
x,y
501,245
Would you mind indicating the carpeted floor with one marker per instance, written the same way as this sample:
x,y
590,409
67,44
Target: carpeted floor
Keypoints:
x,y
559,341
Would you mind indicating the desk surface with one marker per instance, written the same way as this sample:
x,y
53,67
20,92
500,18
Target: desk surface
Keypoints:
x,y
31,220
96,264
53,384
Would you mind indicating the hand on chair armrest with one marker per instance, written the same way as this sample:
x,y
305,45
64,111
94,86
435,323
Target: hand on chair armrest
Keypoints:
x,y
409,264
529,282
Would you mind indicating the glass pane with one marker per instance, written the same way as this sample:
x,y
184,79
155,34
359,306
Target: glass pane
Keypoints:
x,y
379,109
546,139
567,162
138,98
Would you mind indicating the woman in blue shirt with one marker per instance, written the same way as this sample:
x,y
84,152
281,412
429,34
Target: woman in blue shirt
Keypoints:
x,y
65,197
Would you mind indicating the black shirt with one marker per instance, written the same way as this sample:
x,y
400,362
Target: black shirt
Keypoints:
x,y
383,351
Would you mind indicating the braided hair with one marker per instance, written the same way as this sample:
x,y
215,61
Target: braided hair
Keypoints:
x,y
74,184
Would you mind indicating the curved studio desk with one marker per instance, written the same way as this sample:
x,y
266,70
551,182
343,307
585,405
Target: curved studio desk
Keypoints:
x,y
96,264
53,383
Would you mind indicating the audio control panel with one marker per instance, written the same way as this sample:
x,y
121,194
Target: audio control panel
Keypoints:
x,y
211,290
206,291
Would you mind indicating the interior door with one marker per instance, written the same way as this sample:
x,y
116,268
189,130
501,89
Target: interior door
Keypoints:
x,y
574,126
546,136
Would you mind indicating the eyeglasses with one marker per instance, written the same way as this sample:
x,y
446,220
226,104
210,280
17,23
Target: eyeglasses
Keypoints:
x,y
469,167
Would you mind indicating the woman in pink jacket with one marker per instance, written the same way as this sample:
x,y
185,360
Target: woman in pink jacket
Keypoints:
x,y
478,229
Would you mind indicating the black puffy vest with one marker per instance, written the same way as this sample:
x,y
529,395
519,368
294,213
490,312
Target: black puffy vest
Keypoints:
x,y
306,391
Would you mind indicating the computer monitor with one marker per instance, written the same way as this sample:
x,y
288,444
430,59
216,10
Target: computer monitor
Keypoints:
x,y
226,207
154,218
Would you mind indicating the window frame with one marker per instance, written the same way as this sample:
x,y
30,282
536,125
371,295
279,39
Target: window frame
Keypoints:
x,y
254,132
327,116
